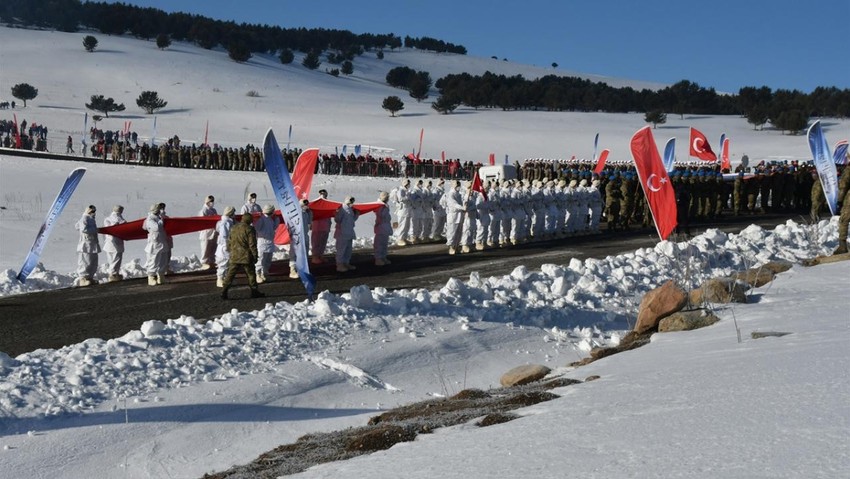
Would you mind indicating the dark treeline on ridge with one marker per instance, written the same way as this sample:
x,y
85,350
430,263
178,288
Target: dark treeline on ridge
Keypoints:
x,y
786,109
148,23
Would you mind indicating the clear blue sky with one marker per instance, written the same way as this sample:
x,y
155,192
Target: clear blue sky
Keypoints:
x,y
725,44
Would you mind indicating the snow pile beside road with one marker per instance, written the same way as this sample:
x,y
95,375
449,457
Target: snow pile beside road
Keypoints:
x,y
577,306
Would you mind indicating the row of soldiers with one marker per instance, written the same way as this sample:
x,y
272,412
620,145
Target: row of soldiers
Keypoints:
x,y
173,155
496,215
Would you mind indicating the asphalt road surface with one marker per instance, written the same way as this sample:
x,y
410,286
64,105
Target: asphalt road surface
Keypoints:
x,y
52,319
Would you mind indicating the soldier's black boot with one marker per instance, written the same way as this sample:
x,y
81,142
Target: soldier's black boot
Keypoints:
x,y
256,293
224,293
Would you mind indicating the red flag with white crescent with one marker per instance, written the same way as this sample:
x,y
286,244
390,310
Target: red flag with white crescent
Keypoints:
x,y
724,156
477,186
600,165
492,159
443,156
700,147
655,182
421,135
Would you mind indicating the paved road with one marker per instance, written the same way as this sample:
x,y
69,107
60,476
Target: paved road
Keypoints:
x,y
52,319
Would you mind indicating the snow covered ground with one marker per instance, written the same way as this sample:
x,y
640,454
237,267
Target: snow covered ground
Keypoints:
x,y
179,399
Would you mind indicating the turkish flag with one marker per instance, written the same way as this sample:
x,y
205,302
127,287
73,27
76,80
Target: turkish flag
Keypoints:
x,y
726,164
655,182
700,146
492,159
302,174
477,186
600,165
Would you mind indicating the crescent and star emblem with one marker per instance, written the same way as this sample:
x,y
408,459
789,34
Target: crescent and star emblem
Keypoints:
x,y
698,145
652,187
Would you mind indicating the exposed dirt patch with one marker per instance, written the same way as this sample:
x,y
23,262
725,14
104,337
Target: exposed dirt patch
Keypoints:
x,y
398,425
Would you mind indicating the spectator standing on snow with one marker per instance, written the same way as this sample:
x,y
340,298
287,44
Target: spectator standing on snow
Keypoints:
x,y
113,245
88,247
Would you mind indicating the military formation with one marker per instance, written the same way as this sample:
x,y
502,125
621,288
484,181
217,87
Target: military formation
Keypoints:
x,y
498,214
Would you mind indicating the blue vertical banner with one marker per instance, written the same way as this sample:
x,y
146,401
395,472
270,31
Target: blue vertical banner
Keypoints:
x,y
839,157
52,215
722,139
670,154
85,132
290,208
289,138
825,165
595,146
357,150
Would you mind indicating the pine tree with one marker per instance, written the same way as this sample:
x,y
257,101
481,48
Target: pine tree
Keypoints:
x,y
150,102
311,60
392,104
104,105
24,92
445,104
90,43
347,67
656,117
163,41
286,56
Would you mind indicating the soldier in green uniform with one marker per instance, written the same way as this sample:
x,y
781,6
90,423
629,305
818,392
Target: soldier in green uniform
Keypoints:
x,y
613,196
818,198
242,245
844,218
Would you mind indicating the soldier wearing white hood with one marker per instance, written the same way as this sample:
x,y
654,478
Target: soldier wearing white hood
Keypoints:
x,y
456,207
551,204
583,206
306,222
470,219
518,216
494,197
320,231
482,213
222,254
538,210
506,201
383,230
113,245
561,201
251,207
403,211
88,247
595,204
417,213
438,195
572,207
208,236
345,217
429,200
265,226
157,247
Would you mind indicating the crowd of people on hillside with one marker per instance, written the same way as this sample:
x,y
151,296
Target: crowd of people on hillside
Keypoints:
x,y
32,138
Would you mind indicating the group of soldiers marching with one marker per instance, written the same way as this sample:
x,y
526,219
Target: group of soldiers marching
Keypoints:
x,y
501,213
516,211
